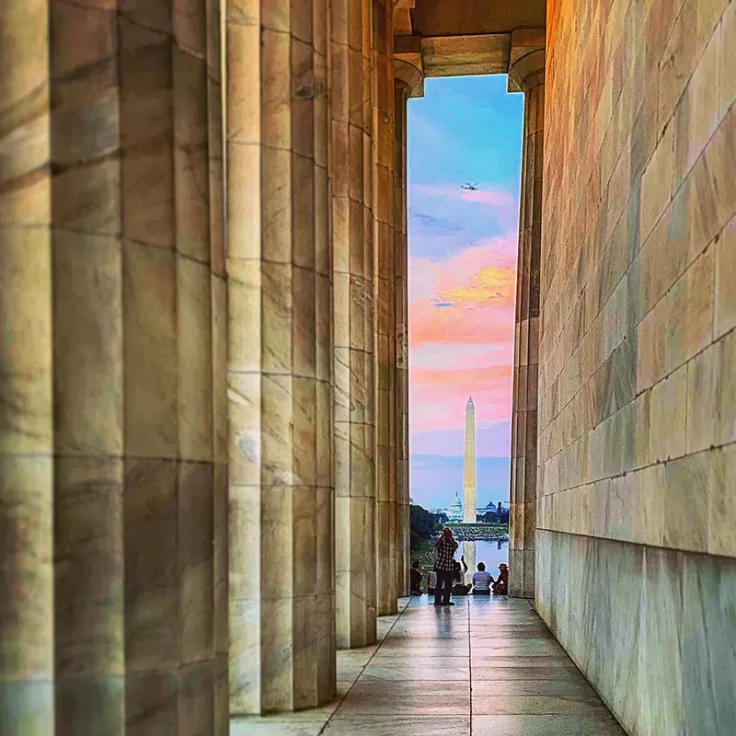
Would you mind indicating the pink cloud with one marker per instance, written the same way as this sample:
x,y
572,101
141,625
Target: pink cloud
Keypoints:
x,y
461,335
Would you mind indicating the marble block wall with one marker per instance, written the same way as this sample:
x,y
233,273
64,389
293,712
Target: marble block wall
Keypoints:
x,y
352,236
108,470
637,396
281,492
385,305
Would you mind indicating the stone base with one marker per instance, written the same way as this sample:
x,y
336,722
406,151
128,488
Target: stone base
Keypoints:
x,y
654,630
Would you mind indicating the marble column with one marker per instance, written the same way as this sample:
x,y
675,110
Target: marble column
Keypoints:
x,y
408,83
89,295
281,492
526,74
166,224
385,306
120,305
26,394
218,281
352,234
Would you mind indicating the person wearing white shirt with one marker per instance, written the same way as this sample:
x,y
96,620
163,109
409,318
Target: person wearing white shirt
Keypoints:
x,y
482,581
431,581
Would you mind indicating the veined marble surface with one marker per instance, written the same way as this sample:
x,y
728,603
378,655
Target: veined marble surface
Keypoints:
x,y
654,630
489,662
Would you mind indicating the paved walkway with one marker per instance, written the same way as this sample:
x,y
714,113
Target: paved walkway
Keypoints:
x,y
486,666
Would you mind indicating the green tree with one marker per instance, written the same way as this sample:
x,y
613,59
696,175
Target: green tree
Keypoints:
x,y
424,525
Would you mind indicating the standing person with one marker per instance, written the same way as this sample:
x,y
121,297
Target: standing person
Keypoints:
x,y
482,581
415,576
445,547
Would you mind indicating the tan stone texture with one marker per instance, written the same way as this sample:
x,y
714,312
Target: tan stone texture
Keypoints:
x,y
118,240
26,375
401,274
384,274
637,319
352,243
526,74
635,543
281,568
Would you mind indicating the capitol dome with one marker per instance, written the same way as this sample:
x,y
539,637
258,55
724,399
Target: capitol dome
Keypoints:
x,y
456,509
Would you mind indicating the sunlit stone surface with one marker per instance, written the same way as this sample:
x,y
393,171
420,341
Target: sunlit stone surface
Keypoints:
x,y
203,223
489,662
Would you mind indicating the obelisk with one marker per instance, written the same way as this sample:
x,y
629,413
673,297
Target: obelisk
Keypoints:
x,y
469,510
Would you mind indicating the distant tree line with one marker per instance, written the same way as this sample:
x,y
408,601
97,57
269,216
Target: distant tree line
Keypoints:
x,y
424,524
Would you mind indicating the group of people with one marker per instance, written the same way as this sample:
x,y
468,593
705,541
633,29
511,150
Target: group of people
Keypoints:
x,y
447,576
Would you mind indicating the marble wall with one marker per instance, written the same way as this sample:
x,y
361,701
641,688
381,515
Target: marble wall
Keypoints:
x,y
637,398
652,629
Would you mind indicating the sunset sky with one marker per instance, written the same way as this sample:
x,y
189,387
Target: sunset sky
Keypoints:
x,y
462,277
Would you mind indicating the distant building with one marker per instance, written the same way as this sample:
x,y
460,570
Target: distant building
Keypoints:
x,y
455,512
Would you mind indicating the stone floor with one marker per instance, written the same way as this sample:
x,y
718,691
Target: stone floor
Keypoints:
x,y
486,666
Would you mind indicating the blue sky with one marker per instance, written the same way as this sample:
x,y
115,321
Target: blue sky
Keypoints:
x,y
462,265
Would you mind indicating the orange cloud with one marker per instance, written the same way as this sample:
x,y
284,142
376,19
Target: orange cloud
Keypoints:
x,y
461,332
469,298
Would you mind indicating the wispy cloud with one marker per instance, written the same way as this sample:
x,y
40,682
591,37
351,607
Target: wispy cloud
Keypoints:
x,y
504,202
462,274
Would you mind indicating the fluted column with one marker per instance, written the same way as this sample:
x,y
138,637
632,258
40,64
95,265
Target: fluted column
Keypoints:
x,y
216,132
281,570
26,424
126,294
352,232
385,306
526,74
408,83
167,368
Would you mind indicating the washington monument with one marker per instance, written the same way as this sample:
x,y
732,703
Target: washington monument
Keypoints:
x,y
469,508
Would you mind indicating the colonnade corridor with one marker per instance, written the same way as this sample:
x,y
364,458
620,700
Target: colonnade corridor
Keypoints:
x,y
204,457
486,666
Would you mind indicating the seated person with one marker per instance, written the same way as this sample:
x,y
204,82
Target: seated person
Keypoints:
x,y
431,581
482,581
458,587
501,586
415,578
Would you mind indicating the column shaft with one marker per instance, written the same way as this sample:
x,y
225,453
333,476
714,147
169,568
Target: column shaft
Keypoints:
x,y
127,297
385,301
355,503
168,368
88,317
401,265
281,567
526,352
26,424
215,137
